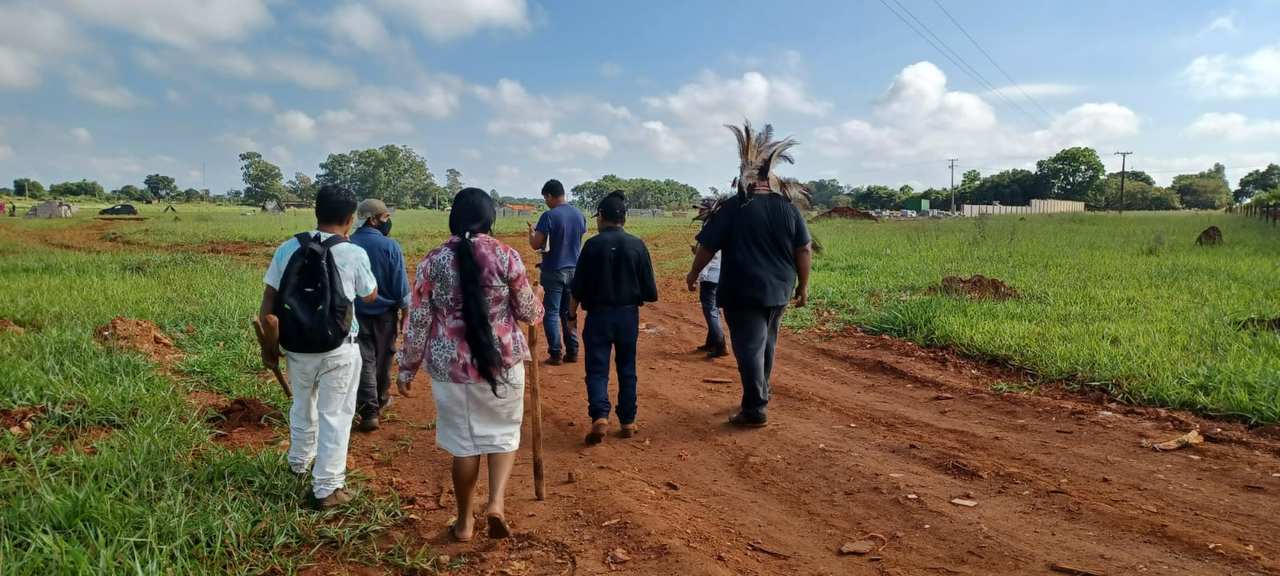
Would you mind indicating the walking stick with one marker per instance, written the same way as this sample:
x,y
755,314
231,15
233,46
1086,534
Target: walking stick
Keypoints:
x,y
539,484
268,332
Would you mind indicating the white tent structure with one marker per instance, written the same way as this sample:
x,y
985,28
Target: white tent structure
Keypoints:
x,y
51,209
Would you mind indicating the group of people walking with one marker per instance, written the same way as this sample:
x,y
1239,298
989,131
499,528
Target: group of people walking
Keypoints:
x,y
342,298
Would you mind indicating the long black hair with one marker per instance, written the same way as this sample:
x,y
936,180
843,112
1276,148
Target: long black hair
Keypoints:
x,y
473,213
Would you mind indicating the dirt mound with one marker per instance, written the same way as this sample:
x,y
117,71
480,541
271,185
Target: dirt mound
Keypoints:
x,y
19,420
140,336
245,413
1211,236
846,213
8,327
978,287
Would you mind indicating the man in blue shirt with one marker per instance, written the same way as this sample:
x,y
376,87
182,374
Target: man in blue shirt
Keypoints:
x,y
558,235
380,319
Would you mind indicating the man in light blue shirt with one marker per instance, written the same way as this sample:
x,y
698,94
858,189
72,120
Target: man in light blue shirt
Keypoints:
x,y
558,236
380,320
324,383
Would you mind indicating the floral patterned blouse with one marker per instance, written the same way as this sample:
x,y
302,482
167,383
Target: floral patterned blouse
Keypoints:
x,y
434,331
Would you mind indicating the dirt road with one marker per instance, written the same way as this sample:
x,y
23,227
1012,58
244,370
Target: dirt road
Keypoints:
x,y
872,439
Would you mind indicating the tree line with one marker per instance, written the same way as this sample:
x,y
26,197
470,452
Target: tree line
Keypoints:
x,y
642,193
1072,174
155,187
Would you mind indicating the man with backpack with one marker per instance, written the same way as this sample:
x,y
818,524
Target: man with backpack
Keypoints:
x,y
311,286
379,321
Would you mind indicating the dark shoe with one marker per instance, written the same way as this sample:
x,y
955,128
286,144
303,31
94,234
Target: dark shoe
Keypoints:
x,y
554,361
498,527
599,428
368,424
717,351
339,497
743,421
628,430
384,403
571,358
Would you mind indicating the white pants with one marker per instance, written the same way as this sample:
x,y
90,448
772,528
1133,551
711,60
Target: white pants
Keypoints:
x,y
324,403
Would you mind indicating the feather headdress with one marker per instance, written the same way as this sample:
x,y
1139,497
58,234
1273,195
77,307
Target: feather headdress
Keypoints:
x,y
758,154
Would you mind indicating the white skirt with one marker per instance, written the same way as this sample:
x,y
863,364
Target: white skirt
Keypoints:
x,y
471,421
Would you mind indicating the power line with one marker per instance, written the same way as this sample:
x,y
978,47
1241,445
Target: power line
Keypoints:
x,y
1124,156
993,62
943,48
951,163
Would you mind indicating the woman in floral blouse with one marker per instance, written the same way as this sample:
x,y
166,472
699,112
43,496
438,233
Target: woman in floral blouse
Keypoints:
x,y
466,299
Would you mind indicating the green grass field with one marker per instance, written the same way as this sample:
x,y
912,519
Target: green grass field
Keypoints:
x,y
1123,302
1128,303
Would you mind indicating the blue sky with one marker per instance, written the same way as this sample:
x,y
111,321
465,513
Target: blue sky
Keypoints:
x,y
512,92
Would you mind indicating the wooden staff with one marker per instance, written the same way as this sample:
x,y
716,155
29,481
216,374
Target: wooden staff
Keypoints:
x,y
268,332
539,483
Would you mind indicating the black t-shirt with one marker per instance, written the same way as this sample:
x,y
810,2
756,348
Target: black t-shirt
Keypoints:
x,y
758,241
614,270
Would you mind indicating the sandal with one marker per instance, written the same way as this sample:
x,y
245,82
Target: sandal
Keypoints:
x,y
498,528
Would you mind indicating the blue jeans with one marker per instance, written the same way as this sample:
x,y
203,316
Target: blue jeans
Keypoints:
x,y
611,330
562,332
711,312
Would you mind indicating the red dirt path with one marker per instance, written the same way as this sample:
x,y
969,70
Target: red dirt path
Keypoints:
x,y
860,425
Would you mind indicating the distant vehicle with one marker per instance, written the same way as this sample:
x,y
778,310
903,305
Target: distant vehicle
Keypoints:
x,y
119,210
908,213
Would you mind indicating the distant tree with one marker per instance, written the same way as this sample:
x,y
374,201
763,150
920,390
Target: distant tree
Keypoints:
x,y
1013,187
6,191
824,191
235,195
395,174
1257,182
302,188
1138,195
192,195
82,188
1135,176
969,180
642,193
877,197
497,198
1072,174
160,187
262,180
453,182
132,193
28,188
1206,190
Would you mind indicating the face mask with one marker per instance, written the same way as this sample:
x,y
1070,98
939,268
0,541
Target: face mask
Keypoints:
x,y
384,227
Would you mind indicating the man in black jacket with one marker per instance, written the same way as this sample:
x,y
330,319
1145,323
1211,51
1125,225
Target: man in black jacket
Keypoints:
x,y
614,278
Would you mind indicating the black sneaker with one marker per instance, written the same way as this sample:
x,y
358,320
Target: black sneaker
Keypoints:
x,y
741,420
717,351
368,424
554,361
571,358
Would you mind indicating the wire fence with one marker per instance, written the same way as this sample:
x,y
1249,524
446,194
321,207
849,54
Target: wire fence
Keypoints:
x,y
1255,210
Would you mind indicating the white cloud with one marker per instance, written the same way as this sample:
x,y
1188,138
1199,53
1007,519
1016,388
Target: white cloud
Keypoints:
x,y
30,37
700,109
1093,121
259,102
296,125
281,156
93,89
1225,24
6,151
506,175
610,70
665,144
1042,90
562,147
82,136
357,24
306,71
443,20
918,118
181,23
1253,75
518,112
238,143
173,96
1233,126
437,98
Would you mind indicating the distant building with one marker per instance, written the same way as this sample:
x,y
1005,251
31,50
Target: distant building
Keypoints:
x,y
920,205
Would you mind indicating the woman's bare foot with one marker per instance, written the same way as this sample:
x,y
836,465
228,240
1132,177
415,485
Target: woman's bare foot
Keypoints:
x,y
463,529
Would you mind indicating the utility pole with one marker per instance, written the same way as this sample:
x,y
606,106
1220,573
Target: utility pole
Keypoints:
x,y
952,165
1123,157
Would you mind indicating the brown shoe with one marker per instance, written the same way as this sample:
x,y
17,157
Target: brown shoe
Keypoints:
x,y
599,428
367,424
743,421
628,430
339,497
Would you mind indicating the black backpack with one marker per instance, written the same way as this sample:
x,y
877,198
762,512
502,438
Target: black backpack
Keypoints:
x,y
314,312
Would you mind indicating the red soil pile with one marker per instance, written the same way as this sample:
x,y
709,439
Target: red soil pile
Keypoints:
x,y
140,336
18,420
7,326
245,413
847,213
977,287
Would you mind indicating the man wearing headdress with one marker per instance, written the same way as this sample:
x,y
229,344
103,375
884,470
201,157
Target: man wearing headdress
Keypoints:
x,y
766,253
